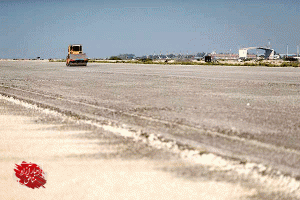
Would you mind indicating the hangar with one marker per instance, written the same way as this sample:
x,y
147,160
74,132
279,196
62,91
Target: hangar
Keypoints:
x,y
269,53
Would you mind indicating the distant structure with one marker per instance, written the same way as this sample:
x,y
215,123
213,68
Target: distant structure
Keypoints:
x,y
225,56
269,53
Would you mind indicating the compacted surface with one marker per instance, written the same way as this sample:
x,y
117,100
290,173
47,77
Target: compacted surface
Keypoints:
x,y
251,113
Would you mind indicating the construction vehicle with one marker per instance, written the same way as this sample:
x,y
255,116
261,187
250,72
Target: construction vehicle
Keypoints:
x,y
75,56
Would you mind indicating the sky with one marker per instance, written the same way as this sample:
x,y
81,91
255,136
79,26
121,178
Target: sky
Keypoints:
x,y
45,28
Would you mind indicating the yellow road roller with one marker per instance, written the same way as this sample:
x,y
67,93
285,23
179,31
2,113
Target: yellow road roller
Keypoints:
x,y
75,56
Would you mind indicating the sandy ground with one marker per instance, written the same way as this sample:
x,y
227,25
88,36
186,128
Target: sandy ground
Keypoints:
x,y
87,163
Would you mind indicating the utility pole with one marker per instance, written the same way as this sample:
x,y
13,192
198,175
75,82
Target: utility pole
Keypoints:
x,y
297,50
287,50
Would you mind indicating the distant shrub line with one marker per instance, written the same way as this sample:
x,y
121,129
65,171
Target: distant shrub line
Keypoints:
x,y
149,61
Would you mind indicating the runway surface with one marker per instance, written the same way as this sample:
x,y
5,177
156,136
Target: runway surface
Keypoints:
x,y
243,114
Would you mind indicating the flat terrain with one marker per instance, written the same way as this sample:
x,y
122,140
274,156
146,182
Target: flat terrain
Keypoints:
x,y
83,162
245,113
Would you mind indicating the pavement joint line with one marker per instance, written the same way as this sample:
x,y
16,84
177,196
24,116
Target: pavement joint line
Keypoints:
x,y
234,138
255,171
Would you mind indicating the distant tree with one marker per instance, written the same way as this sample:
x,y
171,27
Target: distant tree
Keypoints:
x,y
145,59
200,54
114,58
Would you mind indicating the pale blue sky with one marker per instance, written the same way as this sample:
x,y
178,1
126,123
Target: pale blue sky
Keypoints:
x,y
105,28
